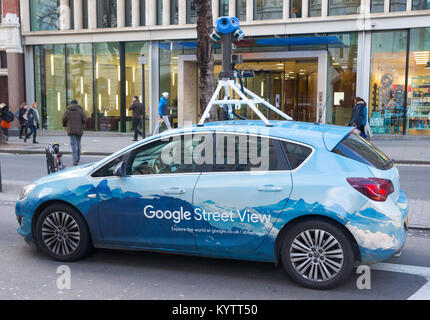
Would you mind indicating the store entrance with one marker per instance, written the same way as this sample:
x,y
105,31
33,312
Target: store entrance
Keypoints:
x,y
290,85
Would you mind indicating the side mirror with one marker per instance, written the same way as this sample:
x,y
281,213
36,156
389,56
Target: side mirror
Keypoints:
x,y
120,170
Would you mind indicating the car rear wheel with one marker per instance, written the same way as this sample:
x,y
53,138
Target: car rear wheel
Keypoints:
x,y
317,254
62,233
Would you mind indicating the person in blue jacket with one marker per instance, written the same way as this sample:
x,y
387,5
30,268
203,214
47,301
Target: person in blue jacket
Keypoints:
x,y
162,112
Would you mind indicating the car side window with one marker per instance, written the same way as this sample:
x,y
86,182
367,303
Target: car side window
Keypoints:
x,y
107,169
238,152
176,154
296,153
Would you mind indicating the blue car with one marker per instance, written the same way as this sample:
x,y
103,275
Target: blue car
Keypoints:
x,y
316,198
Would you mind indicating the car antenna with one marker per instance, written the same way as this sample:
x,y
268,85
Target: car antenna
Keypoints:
x,y
228,30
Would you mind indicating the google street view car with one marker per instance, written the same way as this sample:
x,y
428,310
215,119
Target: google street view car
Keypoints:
x,y
314,198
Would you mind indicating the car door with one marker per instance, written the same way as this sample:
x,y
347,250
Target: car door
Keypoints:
x,y
152,205
237,202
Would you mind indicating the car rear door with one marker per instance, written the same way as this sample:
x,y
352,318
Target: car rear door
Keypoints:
x,y
239,199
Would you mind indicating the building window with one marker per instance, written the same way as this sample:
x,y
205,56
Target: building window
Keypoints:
x,y
72,14
315,8
191,12
1,11
142,13
241,9
342,7
397,5
268,9
223,8
387,82
377,6
3,60
420,4
106,14
295,8
44,15
85,14
174,13
159,13
418,115
128,13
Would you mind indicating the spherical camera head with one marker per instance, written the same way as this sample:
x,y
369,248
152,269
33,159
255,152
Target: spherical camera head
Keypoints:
x,y
225,25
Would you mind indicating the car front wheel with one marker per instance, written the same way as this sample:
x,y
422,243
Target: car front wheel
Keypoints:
x,y
62,233
317,254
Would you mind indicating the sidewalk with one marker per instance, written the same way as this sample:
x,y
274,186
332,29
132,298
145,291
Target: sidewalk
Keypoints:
x,y
404,151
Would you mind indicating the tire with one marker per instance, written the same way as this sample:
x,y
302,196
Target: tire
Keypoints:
x,y
62,233
317,254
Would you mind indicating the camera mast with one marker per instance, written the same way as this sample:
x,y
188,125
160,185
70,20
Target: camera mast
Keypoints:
x,y
227,31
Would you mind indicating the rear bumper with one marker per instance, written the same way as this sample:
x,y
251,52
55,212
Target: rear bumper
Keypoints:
x,y
380,229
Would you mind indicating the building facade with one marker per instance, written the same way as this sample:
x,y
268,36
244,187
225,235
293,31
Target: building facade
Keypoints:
x,y
310,58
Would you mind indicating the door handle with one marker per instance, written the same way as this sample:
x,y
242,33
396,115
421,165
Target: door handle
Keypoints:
x,y
92,196
174,191
270,188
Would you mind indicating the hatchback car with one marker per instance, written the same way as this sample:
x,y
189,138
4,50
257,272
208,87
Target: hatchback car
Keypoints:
x,y
316,198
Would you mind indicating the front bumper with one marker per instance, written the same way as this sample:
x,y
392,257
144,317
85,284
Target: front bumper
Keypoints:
x,y
380,229
24,219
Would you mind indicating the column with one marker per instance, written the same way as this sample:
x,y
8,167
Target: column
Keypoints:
x,y
215,9
25,15
120,13
92,14
408,5
154,83
249,10
387,6
78,14
286,9
64,15
324,8
232,8
364,57
151,12
182,12
166,12
305,8
135,13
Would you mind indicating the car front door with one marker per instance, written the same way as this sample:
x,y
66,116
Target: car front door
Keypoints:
x,y
239,200
151,206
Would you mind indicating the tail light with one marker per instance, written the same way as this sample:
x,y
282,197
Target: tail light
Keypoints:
x,y
373,188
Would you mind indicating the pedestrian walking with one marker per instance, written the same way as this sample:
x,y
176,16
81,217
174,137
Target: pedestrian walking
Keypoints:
x,y
22,118
32,122
137,108
6,118
74,120
162,112
359,115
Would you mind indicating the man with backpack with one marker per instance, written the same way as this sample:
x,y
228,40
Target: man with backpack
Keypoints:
x,y
6,118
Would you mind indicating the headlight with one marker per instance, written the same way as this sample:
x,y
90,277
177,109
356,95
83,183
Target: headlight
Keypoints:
x,y
26,190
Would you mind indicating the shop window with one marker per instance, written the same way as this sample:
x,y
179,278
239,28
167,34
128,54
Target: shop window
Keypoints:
x,y
420,4
315,8
418,114
106,14
174,12
377,6
397,5
44,15
268,9
387,82
296,9
343,7
191,12
241,9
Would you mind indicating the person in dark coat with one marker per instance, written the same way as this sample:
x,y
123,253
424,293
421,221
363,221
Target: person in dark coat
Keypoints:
x,y
358,114
32,122
6,117
22,120
74,120
137,108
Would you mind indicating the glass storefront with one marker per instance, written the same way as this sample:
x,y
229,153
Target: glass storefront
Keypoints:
x,y
102,77
44,15
400,88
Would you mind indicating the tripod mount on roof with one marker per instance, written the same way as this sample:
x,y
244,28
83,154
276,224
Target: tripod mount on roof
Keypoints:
x,y
227,31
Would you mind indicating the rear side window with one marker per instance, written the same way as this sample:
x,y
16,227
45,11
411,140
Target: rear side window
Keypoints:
x,y
356,148
296,153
